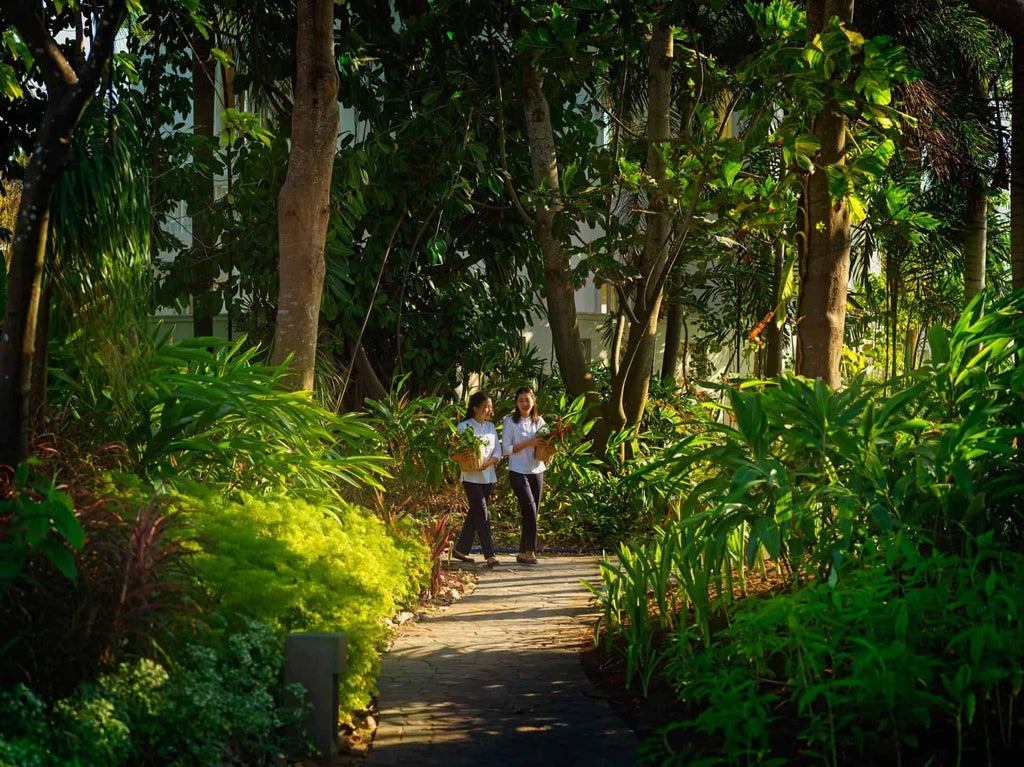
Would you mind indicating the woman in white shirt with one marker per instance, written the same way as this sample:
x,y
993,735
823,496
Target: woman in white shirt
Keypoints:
x,y
479,484
525,472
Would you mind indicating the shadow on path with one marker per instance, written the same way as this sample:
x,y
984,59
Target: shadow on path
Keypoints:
x,y
497,677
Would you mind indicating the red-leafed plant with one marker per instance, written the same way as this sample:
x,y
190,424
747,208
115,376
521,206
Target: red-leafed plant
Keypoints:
x,y
437,533
556,434
116,592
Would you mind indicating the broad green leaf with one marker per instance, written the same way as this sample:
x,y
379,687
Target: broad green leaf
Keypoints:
x,y
801,150
729,170
858,211
938,344
60,557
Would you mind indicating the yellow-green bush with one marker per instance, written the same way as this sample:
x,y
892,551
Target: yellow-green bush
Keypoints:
x,y
303,567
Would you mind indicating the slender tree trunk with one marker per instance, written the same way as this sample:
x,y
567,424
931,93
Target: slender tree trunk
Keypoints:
x,y
1008,15
773,331
615,353
911,346
893,291
68,92
825,254
230,289
303,206
631,385
560,295
151,94
204,269
363,381
675,317
975,238
1017,163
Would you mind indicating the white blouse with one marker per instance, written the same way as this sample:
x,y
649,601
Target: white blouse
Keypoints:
x,y
512,433
488,435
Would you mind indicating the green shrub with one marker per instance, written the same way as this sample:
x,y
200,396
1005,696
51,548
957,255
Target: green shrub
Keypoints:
x,y
217,703
24,729
205,409
128,597
914,641
895,512
35,517
302,567
212,705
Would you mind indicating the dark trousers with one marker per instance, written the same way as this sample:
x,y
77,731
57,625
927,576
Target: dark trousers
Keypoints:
x,y
528,488
477,521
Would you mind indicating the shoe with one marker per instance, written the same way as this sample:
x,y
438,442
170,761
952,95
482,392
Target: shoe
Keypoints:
x,y
462,557
525,559
493,562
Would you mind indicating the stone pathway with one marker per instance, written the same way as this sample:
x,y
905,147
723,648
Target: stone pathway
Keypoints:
x,y
496,678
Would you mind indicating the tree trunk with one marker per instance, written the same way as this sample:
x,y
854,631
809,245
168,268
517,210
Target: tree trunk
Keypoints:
x,y
560,295
68,92
204,269
825,244
1017,164
773,330
675,316
303,206
1008,15
615,352
894,259
631,385
975,238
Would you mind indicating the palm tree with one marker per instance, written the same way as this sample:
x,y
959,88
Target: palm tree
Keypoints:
x,y
955,144
1008,15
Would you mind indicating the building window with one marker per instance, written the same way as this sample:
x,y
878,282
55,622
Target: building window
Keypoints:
x,y
607,299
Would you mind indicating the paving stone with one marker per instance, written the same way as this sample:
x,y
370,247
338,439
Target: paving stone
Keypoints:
x,y
497,678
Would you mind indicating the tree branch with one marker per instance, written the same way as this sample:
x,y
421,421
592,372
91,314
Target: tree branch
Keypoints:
x,y
506,176
56,70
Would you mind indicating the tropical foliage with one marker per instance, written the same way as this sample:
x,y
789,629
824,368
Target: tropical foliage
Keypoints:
x,y
178,511
892,514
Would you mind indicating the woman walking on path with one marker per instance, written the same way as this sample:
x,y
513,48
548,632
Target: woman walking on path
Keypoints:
x,y
525,472
479,484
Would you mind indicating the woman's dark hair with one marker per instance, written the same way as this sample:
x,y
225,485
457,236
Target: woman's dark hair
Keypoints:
x,y
475,401
515,408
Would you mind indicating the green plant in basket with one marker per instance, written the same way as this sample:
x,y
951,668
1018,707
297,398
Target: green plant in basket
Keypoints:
x,y
465,449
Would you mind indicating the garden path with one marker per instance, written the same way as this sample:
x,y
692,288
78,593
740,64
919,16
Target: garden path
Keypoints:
x,y
496,678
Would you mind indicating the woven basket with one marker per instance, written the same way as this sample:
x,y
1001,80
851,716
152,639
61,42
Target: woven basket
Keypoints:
x,y
544,451
468,459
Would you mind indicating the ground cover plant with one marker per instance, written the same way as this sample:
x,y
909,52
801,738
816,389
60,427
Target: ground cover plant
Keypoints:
x,y
893,513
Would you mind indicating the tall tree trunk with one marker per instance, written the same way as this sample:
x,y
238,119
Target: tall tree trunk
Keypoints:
x,y
303,206
894,258
631,385
1008,15
773,330
1017,161
975,237
68,92
825,241
675,317
615,352
560,295
204,269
